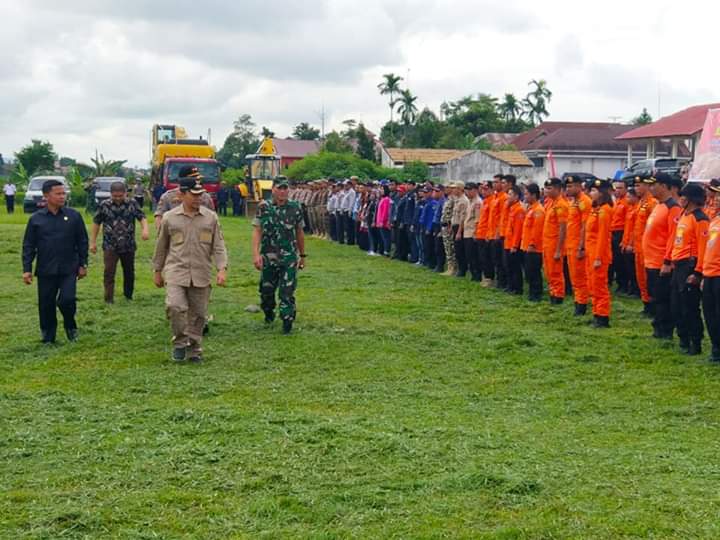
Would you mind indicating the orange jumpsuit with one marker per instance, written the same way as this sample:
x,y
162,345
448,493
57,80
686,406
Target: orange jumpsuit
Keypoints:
x,y
532,232
644,208
493,215
578,213
556,214
598,242
481,227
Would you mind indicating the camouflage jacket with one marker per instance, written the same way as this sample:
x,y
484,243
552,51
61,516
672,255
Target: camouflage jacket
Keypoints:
x,y
447,211
279,226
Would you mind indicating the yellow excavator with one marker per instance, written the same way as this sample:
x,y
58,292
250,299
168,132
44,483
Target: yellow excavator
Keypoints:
x,y
262,168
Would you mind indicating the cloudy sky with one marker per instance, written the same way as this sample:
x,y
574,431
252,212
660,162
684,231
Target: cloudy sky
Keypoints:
x,y
87,74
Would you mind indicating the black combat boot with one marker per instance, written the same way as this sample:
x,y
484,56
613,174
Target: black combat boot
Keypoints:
x,y
600,321
287,326
269,317
695,348
580,309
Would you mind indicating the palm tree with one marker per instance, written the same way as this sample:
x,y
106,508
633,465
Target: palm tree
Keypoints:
x,y
391,86
407,108
536,101
110,167
510,108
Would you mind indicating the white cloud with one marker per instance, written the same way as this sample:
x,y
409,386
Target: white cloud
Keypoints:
x,y
99,73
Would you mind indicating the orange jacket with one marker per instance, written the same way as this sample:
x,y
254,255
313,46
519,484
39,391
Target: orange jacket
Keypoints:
x,y
691,236
481,227
598,237
493,216
630,213
500,212
578,213
532,233
556,213
514,229
644,209
711,260
619,213
660,234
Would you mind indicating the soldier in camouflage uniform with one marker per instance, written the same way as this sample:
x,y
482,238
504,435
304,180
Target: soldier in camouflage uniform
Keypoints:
x,y
446,230
279,252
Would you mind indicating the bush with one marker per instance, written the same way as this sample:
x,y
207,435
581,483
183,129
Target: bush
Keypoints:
x,y
343,165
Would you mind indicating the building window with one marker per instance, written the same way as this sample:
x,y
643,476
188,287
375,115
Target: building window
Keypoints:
x,y
538,161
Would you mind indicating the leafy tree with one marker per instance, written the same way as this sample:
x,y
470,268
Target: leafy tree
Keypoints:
x,y
267,133
387,134
242,141
536,101
510,108
109,167
473,116
365,144
416,170
20,175
37,156
390,86
350,131
426,132
67,162
335,143
643,118
330,164
305,132
407,107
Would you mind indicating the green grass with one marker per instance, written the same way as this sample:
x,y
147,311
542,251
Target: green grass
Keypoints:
x,y
405,404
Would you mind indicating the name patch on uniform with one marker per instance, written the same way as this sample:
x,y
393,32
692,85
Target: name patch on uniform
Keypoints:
x,y
206,236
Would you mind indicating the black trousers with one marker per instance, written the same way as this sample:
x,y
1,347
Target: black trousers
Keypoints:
x,y
439,249
340,227
659,288
485,258
632,287
685,303
349,229
711,311
332,226
473,259
127,260
10,203
618,270
222,208
460,257
498,261
402,244
56,292
533,275
515,271
429,245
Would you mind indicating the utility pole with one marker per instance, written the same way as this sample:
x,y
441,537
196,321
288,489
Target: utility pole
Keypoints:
x,y
321,115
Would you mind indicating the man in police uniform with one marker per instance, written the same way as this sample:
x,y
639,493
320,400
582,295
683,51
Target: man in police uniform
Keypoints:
x,y
172,198
278,245
189,243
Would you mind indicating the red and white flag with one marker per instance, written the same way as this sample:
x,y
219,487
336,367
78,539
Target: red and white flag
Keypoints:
x,y
551,161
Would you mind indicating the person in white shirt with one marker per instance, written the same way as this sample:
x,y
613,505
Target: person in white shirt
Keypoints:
x,y
340,214
10,190
347,213
331,211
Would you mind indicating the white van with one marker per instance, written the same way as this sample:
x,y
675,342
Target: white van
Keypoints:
x,y
34,199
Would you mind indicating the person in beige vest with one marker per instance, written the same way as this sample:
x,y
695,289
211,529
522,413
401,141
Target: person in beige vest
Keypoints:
x,y
189,243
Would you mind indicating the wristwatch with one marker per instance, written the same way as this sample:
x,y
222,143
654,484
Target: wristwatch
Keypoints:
x,y
302,255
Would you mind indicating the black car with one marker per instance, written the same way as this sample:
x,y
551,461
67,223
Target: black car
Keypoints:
x,y
671,166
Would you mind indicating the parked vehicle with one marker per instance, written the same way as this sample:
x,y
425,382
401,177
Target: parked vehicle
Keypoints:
x,y
34,199
102,187
671,166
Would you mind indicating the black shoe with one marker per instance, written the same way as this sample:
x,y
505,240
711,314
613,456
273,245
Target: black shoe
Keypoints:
x,y
684,347
206,329
287,326
269,317
695,349
178,354
72,334
715,356
580,309
600,321
195,358
47,338
556,301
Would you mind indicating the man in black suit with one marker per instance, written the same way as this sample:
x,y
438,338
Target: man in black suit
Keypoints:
x,y
57,237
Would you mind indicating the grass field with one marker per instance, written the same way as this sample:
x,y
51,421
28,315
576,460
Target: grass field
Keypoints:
x,y
405,404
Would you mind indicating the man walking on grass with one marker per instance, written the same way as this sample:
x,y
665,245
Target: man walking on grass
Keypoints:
x,y
117,216
190,242
57,238
278,245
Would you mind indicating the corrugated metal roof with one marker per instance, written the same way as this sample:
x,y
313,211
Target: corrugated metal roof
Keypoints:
x,y
431,156
684,123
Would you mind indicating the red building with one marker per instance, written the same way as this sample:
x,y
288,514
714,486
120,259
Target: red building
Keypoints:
x,y
291,150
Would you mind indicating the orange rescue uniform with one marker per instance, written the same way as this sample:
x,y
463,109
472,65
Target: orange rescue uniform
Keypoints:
x,y
532,233
710,266
556,214
578,212
481,227
514,229
645,207
660,233
598,243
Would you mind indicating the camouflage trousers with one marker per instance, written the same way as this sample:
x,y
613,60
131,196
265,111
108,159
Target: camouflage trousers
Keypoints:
x,y
449,244
283,279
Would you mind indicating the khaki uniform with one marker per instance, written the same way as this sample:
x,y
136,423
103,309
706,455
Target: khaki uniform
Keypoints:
x,y
171,199
187,247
